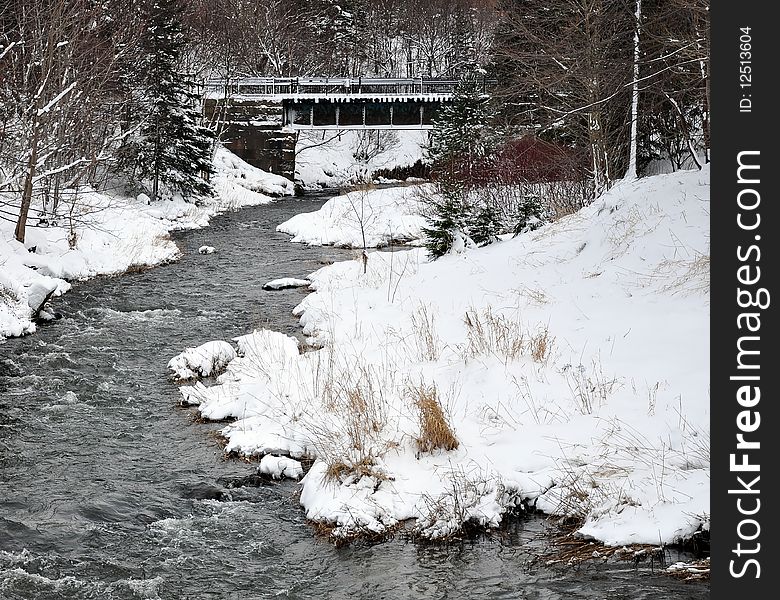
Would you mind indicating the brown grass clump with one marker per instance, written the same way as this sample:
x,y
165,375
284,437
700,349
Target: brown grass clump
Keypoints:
x,y
353,436
435,430
540,345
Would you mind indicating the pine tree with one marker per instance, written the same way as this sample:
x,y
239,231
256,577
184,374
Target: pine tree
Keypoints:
x,y
461,141
485,224
527,216
446,215
462,137
172,148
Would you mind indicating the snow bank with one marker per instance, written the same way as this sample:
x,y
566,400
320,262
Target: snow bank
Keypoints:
x,y
279,467
286,283
205,360
349,155
239,182
571,364
114,233
382,215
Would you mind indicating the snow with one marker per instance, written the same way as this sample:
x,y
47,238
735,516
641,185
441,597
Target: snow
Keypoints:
x,y
285,283
204,361
38,292
279,467
114,232
384,215
571,364
328,159
237,179
207,250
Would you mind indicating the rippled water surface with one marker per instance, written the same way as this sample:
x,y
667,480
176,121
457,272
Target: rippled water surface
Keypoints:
x,y
109,490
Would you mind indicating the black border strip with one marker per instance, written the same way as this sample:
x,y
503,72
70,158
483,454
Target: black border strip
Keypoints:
x,y
744,114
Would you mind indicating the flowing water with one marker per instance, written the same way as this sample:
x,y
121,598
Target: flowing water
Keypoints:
x,y
109,490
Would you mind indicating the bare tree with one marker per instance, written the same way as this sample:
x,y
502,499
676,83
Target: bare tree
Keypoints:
x,y
59,95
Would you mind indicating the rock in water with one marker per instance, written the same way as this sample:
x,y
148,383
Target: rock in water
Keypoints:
x,y
286,283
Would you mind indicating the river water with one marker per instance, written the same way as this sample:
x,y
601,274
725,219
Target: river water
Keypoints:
x,y
109,490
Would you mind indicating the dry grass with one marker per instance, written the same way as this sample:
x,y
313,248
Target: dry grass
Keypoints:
x,y
535,296
686,277
457,511
696,570
590,388
435,430
495,334
427,340
568,549
353,435
540,345
489,333
565,548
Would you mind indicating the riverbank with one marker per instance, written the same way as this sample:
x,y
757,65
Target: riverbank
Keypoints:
x,y
113,491
564,370
113,232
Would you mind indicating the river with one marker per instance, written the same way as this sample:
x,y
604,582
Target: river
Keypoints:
x,y
110,490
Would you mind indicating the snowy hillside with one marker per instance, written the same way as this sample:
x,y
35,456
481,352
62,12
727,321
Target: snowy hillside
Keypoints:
x,y
566,368
114,233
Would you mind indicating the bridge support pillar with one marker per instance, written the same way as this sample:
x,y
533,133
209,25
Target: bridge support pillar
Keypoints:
x,y
253,130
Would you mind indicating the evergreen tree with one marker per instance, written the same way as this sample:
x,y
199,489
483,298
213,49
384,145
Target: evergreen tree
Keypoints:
x,y
446,215
485,224
172,148
459,145
527,216
462,137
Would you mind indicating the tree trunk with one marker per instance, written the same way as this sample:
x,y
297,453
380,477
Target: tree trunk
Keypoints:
x,y
24,209
633,143
599,152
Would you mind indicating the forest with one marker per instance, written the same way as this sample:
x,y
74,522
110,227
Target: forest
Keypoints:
x,y
92,88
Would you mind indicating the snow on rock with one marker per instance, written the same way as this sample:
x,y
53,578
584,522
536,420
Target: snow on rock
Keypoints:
x,y
279,467
38,292
381,215
571,364
207,250
204,361
286,283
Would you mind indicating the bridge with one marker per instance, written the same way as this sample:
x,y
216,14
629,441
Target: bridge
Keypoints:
x,y
342,103
259,117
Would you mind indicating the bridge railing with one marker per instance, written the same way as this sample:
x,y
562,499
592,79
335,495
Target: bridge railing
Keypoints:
x,y
335,86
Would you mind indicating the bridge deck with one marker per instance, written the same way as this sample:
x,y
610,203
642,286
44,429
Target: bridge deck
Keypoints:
x,y
334,89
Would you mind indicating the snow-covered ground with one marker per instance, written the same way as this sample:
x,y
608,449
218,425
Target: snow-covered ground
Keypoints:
x,y
329,159
566,368
377,215
114,232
